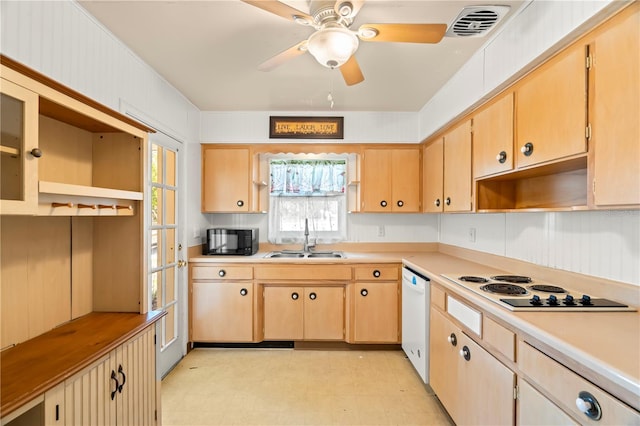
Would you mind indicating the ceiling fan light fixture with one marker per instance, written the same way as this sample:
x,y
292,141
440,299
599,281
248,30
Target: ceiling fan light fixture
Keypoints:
x,y
345,9
301,20
332,46
367,33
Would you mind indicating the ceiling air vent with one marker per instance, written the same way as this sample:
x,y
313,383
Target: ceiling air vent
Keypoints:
x,y
476,21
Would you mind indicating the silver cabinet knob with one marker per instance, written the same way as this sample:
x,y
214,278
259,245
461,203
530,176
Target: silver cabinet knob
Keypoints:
x,y
589,405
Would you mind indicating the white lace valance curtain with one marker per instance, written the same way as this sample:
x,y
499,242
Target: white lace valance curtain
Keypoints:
x,y
312,189
308,177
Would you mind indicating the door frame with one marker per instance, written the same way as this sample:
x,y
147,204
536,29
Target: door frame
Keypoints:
x,y
181,273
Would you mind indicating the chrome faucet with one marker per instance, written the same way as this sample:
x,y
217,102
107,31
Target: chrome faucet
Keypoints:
x,y
306,247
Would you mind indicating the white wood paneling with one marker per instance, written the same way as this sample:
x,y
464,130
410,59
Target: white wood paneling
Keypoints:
x,y
489,228
253,126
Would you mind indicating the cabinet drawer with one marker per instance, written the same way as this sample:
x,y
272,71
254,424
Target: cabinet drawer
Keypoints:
x,y
438,297
382,273
222,272
468,317
564,386
304,272
499,337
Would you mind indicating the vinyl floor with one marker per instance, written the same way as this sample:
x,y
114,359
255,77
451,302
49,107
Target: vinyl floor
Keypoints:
x,y
297,387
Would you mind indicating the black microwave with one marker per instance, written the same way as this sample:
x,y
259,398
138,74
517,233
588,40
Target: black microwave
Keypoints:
x,y
242,242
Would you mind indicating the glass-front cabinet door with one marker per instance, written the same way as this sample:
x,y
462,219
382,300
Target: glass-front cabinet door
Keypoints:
x,y
18,149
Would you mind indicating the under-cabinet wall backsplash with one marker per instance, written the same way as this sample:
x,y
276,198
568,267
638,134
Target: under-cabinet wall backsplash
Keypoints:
x,y
599,243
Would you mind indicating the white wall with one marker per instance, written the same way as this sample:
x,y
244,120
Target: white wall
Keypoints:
x,y
253,127
600,243
361,227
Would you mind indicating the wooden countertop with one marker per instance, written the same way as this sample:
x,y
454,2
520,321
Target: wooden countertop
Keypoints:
x,y
603,347
39,364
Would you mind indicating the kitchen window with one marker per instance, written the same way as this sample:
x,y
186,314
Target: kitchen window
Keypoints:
x,y
307,187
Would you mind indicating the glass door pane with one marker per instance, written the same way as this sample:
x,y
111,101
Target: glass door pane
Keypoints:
x,y
165,250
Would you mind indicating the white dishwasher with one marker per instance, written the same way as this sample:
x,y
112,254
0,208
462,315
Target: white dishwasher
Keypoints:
x,y
415,320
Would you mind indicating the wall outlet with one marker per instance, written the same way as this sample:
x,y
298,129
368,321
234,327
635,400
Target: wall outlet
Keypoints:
x,y
195,233
380,230
472,235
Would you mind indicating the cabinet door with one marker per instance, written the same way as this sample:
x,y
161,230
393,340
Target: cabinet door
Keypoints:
x,y
18,139
225,179
405,180
54,406
443,363
90,396
376,181
222,312
493,138
551,110
376,312
283,313
324,313
136,370
485,385
457,169
534,409
615,124
433,175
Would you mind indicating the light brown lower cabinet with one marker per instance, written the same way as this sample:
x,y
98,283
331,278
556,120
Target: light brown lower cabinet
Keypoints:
x,y
474,387
375,312
535,409
303,313
222,311
566,388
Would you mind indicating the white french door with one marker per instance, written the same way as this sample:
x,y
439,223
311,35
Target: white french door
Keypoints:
x,y
166,254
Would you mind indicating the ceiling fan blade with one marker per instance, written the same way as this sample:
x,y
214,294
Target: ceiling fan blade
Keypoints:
x,y
353,5
282,57
351,72
407,33
281,9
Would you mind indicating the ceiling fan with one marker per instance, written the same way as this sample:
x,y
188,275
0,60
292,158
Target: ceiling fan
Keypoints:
x,y
333,44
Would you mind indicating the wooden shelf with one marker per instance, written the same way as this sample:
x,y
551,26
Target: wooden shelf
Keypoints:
x,y
87,191
9,150
561,186
63,199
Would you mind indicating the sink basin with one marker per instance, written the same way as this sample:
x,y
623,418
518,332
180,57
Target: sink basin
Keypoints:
x,y
281,254
334,254
299,255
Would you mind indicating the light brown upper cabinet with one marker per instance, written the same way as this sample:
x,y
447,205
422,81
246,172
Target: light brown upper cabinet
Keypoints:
x,y
391,180
457,169
551,110
433,175
616,100
493,138
226,176
447,172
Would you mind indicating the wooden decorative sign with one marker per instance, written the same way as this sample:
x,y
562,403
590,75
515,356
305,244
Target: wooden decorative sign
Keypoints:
x,y
306,127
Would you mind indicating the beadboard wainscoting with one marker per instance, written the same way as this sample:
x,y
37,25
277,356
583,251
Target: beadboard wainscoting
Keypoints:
x,y
600,243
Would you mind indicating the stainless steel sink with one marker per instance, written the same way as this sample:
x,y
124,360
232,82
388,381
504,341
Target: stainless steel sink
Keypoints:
x,y
300,255
276,254
334,254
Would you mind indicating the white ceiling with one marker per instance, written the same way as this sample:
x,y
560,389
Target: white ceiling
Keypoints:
x,y
209,51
